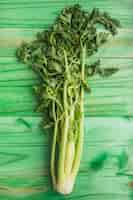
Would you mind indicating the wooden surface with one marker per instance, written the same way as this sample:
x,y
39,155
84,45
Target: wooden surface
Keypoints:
x,y
24,148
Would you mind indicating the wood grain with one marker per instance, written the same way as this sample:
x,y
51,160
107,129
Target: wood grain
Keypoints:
x,y
114,48
29,145
39,14
24,146
109,97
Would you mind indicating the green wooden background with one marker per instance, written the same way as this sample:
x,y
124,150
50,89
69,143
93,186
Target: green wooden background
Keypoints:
x,y
24,148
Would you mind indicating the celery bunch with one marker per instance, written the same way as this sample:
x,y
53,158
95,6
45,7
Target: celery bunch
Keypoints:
x,y
59,55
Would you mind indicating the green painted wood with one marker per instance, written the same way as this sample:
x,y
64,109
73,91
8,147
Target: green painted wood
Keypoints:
x,y
24,148
10,38
110,96
38,14
27,144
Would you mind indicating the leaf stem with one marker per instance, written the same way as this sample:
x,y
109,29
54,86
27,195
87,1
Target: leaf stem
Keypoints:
x,y
53,155
64,130
79,144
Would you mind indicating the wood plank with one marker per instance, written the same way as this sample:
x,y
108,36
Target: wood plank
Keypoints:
x,y
28,127
111,96
114,48
23,170
21,101
26,133
39,189
14,74
38,14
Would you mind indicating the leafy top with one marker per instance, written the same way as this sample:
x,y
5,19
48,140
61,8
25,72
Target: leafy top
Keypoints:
x,y
56,53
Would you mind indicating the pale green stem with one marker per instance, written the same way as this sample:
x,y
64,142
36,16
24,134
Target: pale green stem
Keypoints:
x,y
79,144
70,152
64,134
70,148
53,155
64,130
53,110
